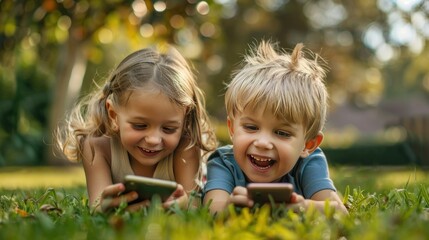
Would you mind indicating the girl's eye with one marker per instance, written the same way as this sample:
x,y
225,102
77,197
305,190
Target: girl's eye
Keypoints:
x,y
169,130
283,133
139,126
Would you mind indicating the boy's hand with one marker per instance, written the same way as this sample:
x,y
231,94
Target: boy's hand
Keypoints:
x,y
297,201
239,197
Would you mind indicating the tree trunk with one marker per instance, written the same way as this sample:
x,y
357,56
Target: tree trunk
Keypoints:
x,y
71,70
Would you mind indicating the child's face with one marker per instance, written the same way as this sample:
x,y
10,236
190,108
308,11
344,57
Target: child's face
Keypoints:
x,y
150,126
265,148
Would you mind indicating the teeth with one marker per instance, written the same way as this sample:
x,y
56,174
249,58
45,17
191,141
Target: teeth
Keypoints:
x,y
261,159
149,151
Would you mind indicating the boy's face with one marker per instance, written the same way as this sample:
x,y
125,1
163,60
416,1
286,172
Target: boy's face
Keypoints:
x,y
265,147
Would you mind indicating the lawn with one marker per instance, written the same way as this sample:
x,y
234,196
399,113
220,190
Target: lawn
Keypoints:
x,y
51,203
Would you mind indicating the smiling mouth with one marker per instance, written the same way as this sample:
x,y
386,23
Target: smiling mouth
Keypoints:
x,y
148,151
261,163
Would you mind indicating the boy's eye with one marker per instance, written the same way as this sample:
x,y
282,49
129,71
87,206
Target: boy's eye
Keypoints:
x,y
283,133
250,127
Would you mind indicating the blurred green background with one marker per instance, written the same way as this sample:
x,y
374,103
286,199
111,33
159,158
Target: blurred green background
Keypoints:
x,y
52,52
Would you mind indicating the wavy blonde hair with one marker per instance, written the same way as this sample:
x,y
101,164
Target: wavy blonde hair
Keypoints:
x,y
168,71
290,86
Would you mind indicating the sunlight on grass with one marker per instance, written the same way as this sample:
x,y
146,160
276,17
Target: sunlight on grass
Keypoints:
x,y
33,177
375,178
369,178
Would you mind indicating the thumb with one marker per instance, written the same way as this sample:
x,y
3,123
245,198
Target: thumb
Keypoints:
x,y
296,198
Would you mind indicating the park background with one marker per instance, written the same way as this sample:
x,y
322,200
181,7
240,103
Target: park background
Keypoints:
x,y
53,51
376,138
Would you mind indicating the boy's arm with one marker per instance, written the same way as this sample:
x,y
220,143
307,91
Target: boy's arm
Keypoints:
x,y
318,185
319,198
218,200
318,201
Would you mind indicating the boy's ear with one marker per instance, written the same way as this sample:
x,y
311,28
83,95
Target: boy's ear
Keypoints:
x,y
311,145
230,124
112,115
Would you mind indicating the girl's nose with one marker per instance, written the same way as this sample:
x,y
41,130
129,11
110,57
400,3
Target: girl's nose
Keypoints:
x,y
153,138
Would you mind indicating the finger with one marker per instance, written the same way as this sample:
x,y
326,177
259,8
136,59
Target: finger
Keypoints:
x,y
138,206
296,198
180,201
180,191
114,202
113,190
239,191
241,200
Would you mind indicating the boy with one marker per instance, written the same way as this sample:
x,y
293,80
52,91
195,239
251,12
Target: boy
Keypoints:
x,y
276,106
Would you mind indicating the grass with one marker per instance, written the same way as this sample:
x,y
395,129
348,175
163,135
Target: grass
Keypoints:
x,y
37,177
384,203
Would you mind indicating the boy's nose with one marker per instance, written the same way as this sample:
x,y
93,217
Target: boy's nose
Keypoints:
x,y
263,142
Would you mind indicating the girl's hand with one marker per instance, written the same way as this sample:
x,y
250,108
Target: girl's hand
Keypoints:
x,y
179,196
112,197
239,197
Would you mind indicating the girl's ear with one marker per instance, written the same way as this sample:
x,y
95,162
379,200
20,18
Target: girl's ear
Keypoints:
x,y
230,124
113,116
312,145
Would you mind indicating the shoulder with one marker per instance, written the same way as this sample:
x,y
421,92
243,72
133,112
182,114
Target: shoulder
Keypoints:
x,y
224,152
312,174
316,162
223,158
315,158
96,147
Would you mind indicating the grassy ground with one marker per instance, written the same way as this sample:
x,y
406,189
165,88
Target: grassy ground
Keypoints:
x,y
36,177
375,178
51,203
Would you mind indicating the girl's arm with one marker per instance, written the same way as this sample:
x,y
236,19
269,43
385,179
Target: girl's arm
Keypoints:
x,y
186,167
96,164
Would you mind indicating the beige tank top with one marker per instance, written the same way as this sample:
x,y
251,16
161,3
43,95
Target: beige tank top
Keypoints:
x,y
120,164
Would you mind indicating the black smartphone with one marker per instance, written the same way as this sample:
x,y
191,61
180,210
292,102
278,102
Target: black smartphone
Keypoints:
x,y
267,192
146,187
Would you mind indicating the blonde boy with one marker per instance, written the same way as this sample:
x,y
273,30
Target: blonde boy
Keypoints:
x,y
276,105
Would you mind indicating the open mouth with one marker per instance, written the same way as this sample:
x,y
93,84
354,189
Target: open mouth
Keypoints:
x,y
261,163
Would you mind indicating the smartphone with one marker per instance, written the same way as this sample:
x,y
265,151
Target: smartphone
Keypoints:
x,y
147,188
270,192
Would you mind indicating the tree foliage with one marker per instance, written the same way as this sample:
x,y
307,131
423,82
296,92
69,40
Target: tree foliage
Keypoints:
x,y
374,49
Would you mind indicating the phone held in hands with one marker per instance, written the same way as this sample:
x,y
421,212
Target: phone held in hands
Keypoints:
x,y
262,193
147,188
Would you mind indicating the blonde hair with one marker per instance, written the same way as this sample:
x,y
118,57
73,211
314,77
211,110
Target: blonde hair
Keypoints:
x,y
168,71
288,85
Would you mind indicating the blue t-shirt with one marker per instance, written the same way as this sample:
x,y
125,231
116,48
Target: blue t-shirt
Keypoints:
x,y
309,175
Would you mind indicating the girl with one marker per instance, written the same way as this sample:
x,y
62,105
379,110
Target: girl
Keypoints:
x,y
149,120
